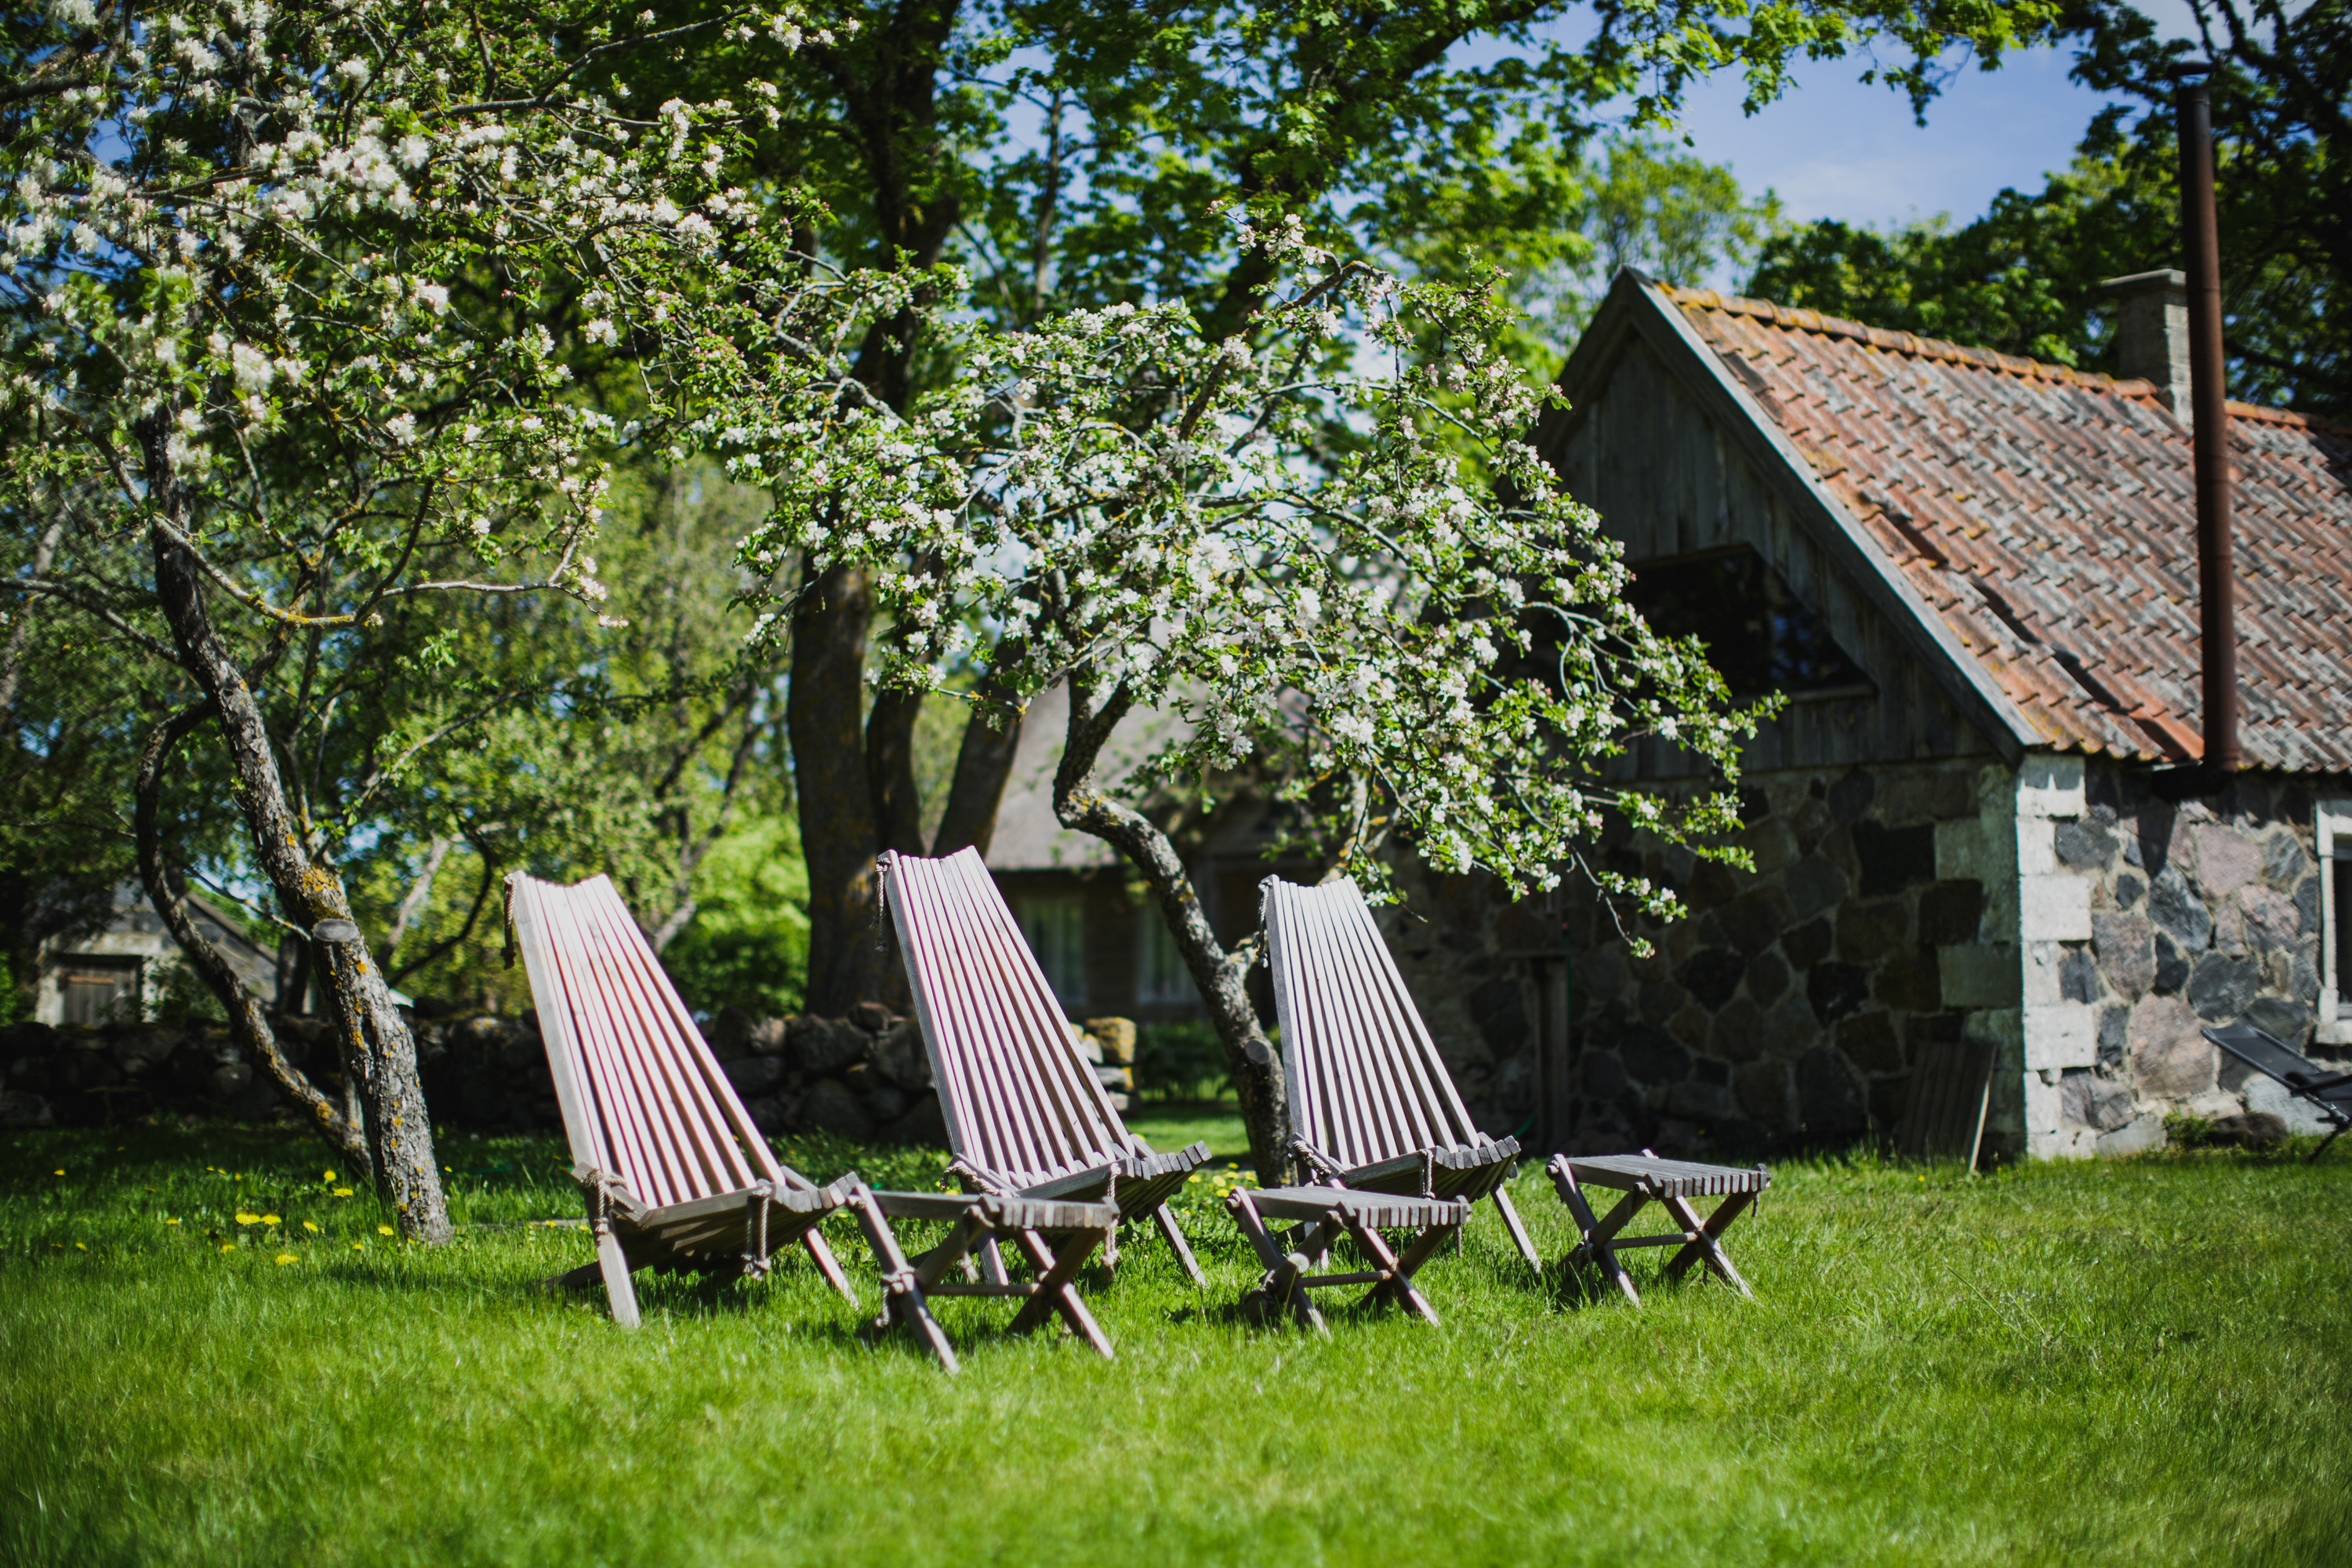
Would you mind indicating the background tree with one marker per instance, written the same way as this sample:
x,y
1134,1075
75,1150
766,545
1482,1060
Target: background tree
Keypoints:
x,y
290,286
2024,279
1075,156
1294,557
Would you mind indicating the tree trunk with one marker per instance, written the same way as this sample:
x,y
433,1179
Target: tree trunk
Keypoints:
x,y
983,763
838,835
896,803
1221,977
374,1038
248,1022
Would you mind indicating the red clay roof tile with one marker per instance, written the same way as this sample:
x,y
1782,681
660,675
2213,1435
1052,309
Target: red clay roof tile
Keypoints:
x,y
2048,516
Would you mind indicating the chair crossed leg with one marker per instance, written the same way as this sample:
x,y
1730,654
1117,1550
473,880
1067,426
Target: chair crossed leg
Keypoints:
x,y
1670,1184
1329,1213
977,1221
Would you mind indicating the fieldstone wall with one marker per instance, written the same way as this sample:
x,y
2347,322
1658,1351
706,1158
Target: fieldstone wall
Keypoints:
x,y
2164,917
91,1077
863,1077
1786,1009
1477,965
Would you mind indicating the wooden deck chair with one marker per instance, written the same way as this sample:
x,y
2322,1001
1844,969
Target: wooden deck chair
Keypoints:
x,y
1025,1115
1372,1105
1670,1184
675,1173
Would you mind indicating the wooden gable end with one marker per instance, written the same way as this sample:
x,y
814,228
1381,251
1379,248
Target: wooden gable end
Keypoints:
x,y
1673,478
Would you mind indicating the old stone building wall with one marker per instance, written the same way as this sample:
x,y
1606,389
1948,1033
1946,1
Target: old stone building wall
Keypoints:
x,y
2192,913
1787,1007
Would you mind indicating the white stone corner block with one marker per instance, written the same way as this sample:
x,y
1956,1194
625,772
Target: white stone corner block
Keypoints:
x,y
2053,909
2040,981
2060,1035
2044,1110
1978,975
2037,846
2050,786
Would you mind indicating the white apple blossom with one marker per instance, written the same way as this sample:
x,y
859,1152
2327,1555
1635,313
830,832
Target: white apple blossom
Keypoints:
x,y
1318,569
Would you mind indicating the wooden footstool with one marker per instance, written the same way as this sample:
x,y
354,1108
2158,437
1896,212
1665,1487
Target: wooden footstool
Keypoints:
x,y
1644,1178
1329,1214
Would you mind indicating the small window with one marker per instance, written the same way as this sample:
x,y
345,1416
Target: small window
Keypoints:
x,y
95,990
1759,636
1056,927
2335,846
1162,979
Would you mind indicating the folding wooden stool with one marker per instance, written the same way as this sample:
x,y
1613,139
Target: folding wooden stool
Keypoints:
x,y
1330,1212
1672,1184
1056,1238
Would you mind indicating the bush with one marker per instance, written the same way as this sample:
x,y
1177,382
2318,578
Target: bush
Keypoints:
x,y
1180,1060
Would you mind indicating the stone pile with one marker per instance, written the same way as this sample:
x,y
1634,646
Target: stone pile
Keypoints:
x,y
864,1076
88,1077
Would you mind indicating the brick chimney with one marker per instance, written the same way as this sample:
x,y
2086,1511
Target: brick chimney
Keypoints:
x,y
2152,332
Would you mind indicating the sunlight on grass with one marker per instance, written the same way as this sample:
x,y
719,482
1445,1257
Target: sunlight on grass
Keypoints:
x,y
208,1353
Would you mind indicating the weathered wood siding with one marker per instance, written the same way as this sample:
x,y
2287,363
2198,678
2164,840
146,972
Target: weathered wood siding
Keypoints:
x,y
1668,482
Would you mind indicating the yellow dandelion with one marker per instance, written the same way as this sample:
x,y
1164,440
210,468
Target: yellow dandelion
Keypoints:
x,y
311,1227
342,1192
384,1230
81,1247
286,1257
327,1175
357,1247
228,1246
57,1173
170,1222
246,1218
269,1219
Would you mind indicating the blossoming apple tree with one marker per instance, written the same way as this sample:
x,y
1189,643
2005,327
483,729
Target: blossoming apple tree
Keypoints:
x,y
293,299
1325,543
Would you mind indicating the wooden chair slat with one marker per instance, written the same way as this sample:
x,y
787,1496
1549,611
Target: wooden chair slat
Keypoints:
x,y
1030,1033
985,1123
1388,1046
1025,1111
669,1139
1323,1071
683,1128
1441,1116
566,1062
1090,1131
730,1150
616,1097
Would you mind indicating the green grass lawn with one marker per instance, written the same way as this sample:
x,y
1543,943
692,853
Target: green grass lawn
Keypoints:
x,y
2140,1361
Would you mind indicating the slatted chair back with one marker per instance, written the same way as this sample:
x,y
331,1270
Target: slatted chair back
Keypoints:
x,y
1364,1078
1019,1101
643,1098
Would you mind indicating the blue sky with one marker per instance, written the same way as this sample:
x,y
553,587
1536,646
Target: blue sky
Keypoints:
x,y
1835,148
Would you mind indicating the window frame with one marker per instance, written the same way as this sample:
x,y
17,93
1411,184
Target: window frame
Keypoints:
x,y
1067,910
1153,935
2332,825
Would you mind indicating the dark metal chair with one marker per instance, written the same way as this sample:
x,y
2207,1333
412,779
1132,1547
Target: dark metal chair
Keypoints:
x,y
2330,1093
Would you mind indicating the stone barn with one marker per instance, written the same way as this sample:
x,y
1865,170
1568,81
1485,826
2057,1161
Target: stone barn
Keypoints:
x,y
1975,578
